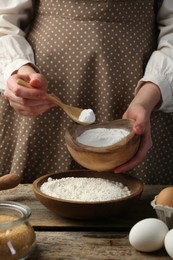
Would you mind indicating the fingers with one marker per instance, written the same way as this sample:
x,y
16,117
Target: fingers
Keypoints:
x,y
30,107
14,90
138,128
31,111
38,81
138,114
144,147
141,127
28,101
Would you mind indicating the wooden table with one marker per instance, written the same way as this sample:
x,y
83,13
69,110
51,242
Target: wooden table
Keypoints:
x,y
60,238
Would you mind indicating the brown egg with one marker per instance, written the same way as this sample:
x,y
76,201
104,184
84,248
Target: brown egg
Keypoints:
x,y
165,197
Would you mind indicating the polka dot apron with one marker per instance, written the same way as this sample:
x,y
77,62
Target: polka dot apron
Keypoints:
x,y
93,52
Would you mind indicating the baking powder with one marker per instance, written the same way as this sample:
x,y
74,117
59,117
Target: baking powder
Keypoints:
x,y
87,116
101,137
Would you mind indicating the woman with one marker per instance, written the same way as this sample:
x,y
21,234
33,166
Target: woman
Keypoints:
x,y
91,54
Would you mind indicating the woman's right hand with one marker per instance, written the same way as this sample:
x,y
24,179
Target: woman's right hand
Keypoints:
x,y
26,101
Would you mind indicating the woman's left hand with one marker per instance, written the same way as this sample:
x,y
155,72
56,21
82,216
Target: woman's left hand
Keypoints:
x,y
146,100
141,127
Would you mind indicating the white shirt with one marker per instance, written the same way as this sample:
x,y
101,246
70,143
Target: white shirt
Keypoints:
x,y
15,51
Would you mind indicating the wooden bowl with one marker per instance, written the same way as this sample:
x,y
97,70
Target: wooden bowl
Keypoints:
x,y
89,210
102,158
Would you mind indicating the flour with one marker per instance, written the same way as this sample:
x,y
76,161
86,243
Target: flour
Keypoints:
x,y
84,189
101,137
87,116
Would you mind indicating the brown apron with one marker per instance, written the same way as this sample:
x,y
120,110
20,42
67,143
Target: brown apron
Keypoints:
x,y
93,52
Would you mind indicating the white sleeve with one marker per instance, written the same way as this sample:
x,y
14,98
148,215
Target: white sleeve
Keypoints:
x,y
159,69
15,51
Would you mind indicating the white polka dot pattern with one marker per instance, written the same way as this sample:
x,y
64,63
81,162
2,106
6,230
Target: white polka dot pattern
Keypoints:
x,y
92,52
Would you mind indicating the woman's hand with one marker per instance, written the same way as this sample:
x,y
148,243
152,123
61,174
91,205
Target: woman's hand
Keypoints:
x,y
141,127
147,98
25,101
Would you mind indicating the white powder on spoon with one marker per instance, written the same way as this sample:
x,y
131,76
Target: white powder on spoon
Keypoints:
x,y
84,189
101,137
87,116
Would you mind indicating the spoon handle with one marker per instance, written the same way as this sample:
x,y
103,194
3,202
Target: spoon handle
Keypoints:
x,y
51,98
9,181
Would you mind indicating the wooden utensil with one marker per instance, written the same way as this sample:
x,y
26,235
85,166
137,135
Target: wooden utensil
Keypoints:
x,y
85,210
107,157
9,181
72,112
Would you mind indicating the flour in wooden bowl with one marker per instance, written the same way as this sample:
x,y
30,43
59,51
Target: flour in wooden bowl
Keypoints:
x,y
84,189
102,137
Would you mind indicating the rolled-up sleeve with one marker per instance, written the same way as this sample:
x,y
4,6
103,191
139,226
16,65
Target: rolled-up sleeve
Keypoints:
x,y
159,69
15,51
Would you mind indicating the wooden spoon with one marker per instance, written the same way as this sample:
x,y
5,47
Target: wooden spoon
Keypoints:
x,y
72,112
9,181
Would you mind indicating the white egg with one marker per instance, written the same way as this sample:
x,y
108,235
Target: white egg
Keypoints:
x,y
148,234
169,243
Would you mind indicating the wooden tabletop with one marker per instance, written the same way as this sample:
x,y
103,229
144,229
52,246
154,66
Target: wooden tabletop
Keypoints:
x,y
60,238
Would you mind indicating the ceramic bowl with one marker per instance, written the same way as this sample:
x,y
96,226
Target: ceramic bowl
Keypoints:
x,y
102,158
89,210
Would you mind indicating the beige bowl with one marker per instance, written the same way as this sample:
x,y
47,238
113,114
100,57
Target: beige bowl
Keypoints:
x,y
84,210
102,158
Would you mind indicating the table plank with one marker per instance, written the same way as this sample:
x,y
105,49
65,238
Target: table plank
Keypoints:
x,y
89,245
44,219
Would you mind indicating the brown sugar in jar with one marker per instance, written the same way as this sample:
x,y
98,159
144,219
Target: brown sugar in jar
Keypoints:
x,y
17,237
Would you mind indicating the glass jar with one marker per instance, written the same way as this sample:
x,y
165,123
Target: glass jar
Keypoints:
x,y
17,236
